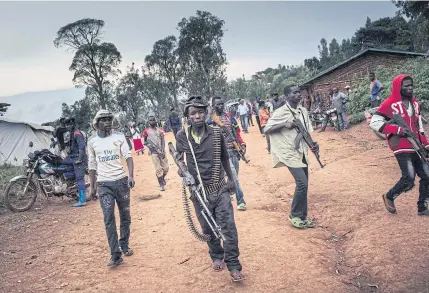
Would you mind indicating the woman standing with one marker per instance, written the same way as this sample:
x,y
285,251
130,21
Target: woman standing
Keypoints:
x,y
137,141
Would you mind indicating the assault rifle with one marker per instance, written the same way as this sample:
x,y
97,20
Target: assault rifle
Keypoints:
x,y
410,136
305,135
189,181
231,138
153,147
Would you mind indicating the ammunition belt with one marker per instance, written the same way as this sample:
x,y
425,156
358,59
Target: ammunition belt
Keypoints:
x,y
214,187
216,156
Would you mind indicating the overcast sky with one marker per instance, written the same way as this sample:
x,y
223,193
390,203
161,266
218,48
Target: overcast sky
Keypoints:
x,y
259,34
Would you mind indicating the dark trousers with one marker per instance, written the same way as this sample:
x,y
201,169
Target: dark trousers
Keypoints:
x,y
259,123
375,103
411,165
250,120
299,206
110,192
221,208
176,130
267,137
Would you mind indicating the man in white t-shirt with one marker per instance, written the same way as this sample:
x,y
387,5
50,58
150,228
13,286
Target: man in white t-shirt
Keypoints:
x,y
104,163
243,111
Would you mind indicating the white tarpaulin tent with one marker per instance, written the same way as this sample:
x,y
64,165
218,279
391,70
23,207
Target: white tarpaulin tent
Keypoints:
x,y
15,137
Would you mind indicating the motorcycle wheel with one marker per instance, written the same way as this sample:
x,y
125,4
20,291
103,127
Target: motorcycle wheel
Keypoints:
x,y
379,135
13,199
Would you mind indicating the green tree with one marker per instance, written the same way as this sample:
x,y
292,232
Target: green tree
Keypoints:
x,y
94,62
201,52
129,93
413,9
165,58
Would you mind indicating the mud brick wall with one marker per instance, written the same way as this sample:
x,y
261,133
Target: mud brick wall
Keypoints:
x,y
350,73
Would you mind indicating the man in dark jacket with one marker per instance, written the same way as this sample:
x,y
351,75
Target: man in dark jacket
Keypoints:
x,y
174,121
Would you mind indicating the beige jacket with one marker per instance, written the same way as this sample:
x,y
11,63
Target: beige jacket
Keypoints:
x,y
283,152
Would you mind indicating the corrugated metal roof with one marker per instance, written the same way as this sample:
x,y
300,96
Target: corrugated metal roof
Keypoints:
x,y
384,51
32,125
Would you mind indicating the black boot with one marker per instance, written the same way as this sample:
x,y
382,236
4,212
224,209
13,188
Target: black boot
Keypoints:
x,y
161,183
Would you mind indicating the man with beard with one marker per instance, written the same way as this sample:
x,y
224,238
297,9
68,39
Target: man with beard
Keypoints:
x,y
154,140
105,150
286,152
207,160
231,123
402,102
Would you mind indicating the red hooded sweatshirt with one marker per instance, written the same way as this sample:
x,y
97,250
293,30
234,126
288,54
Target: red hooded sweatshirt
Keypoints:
x,y
393,105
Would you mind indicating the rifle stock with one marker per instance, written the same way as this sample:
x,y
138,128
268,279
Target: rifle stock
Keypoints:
x,y
230,136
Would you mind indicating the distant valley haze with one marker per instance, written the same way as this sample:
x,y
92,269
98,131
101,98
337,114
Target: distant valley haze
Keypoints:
x,y
34,75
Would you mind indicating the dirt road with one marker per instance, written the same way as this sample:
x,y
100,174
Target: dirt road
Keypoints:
x,y
359,247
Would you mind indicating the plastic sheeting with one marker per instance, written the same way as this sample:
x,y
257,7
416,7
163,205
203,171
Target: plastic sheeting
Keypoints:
x,y
15,137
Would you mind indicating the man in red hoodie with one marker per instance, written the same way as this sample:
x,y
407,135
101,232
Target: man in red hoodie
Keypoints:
x,y
402,102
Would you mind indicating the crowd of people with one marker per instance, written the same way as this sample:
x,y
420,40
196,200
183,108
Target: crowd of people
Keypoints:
x,y
210,145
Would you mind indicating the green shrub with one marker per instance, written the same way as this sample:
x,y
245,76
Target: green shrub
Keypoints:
x,y
417,68
357,118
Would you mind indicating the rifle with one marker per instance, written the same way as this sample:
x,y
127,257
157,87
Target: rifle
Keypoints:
x,y
304,134
410,136
153,147
231,138
188,180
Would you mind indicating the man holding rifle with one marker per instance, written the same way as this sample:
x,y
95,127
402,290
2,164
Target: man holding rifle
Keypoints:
x,y
399,117
154,140
231,133
207,161
288,148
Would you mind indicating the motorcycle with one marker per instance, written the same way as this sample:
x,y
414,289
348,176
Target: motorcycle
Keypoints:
x,y
333,118
46,175
316,117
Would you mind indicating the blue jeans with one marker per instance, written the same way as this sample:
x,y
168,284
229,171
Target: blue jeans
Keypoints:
x,y
244,122
234,161
79,170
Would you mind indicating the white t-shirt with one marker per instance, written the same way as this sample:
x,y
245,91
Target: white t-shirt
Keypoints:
x,y
242,109
104,156
135,132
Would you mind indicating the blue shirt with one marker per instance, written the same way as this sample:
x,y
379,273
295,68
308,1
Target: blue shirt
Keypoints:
x,y
375,88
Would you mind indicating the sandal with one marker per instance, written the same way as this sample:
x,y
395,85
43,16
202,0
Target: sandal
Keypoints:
x,y
218,265
297,222
128,252
237,276
310,223
389,204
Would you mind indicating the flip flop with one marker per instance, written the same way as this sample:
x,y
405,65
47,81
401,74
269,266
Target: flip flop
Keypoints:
x,y
310,223
297,222
237,276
